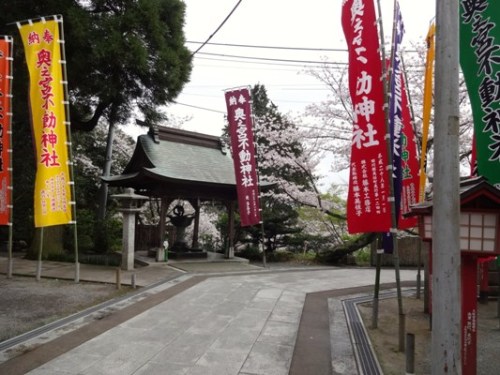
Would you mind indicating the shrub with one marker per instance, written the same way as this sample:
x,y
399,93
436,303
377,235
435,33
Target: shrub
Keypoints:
x,y
108,236
250,252
209,243
332,256
280,256
306,258
362,256
113,259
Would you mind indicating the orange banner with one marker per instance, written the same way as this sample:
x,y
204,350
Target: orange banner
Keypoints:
x,y
5,121
42,46
429,74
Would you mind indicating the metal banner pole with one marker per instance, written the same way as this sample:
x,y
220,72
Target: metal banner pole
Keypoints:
x,y
390,171
70,151
39,262
262,231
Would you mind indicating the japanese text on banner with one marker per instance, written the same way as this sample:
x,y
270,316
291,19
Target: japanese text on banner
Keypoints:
x,y
43,55
5,117
368,209
480,62
240,129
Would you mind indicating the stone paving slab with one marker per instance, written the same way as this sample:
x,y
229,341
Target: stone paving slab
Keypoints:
x,y
144,276
233,324
216,267
148,273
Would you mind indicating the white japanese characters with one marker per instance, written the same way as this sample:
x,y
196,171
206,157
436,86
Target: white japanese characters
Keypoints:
x,y
240,128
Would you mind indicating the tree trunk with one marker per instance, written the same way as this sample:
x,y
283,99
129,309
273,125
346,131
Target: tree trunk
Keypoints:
x,y
336,254
103,192
52,242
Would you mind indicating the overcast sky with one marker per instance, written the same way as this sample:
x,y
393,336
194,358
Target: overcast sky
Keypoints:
x,y
272,23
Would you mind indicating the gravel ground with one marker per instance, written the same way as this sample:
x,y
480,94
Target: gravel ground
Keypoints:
x,y
385,337
26,304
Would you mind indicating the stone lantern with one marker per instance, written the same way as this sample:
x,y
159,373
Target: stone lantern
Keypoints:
x,y
129,205
479,240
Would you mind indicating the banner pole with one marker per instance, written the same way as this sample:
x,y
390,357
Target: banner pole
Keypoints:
x,y
394,210
10,258
256,146
390,167
378,255
376,244
262,232
39,262
70,151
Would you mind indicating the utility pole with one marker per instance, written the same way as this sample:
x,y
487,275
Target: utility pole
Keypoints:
x,y
446,213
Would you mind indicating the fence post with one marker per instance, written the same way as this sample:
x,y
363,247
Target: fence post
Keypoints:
x,y
410,353
118,278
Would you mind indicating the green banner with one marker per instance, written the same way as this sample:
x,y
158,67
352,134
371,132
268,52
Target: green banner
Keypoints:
x,y
480,61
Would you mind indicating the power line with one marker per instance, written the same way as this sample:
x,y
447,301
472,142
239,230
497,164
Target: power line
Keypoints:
x,y
197,107
273,47
312,127
318,49
271,59
276,88
218,28
284,86
276,100
224,113
265,64
332,65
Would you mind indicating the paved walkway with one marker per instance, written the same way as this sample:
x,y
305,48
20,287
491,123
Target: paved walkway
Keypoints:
x,y
207,324
152,273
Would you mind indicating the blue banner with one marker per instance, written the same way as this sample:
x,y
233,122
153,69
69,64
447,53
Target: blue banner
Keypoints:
x,y
396,105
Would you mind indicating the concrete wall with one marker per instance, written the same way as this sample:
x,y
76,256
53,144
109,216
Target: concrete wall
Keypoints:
x,y
408,253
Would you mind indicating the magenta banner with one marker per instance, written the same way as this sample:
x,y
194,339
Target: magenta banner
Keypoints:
x,y
239,114
368,208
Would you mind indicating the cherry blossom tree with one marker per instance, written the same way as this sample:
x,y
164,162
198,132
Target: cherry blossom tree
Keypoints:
x,y
332,119
331,131
287,161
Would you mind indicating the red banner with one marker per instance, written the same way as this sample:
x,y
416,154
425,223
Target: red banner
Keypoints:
x,y
239,114
409,166
5,118
368,209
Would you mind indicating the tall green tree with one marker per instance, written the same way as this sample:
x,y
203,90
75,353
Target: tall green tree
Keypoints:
x,y
123,57
89,150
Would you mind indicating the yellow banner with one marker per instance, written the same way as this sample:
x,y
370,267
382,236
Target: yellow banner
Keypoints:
x,y
42,48
427,107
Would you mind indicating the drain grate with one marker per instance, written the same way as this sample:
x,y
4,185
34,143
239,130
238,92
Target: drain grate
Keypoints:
x,y
364,353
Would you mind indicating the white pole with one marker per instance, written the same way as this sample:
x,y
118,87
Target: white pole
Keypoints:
x,y
70,149
446,211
